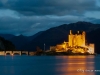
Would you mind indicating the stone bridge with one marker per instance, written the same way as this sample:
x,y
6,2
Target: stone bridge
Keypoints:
x,y
14,52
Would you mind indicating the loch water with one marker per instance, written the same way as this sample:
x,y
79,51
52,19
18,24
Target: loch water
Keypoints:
x,y
50,65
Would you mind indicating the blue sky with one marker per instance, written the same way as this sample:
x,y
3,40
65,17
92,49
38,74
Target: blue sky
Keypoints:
x,y
28,17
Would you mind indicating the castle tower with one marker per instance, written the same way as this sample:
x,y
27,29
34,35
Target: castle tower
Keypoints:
x,y
77,39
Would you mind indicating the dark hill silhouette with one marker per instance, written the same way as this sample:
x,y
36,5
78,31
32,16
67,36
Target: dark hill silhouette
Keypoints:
x,y
7,36
6,45
20,40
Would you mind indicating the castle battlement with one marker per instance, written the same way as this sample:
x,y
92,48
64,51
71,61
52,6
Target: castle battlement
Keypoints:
x,y
76,39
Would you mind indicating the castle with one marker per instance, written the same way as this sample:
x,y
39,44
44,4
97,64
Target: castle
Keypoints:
x,y
76,43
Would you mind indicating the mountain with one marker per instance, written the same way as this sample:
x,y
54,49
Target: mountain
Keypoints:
x,y
7,36
16,40
57,35
6,45
20,40
30,38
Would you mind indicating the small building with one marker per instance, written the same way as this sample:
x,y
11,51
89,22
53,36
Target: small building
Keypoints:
x,y
52,48
91,48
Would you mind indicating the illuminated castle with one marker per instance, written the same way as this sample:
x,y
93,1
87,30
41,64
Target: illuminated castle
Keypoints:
x,y
76,43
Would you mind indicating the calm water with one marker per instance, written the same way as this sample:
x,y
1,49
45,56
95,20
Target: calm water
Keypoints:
x,y
50,65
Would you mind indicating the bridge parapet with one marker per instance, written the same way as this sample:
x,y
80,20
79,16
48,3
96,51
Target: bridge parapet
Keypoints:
x,y
10,52
26,52
18,52
2,52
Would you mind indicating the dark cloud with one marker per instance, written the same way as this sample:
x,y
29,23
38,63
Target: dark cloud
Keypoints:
x,y
50,7
31,16
29,25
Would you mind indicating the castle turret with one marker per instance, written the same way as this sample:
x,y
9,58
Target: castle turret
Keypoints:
x,y
78,32
83,32
70,31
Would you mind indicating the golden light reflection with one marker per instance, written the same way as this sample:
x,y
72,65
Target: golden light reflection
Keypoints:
x,y
76,57
76,65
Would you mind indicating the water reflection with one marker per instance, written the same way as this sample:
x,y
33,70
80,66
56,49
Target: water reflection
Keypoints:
x,y
78,65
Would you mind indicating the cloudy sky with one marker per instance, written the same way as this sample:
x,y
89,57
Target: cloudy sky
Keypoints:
x,y
28,17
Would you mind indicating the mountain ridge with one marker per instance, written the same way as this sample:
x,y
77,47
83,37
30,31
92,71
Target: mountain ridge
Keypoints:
x,y
57,35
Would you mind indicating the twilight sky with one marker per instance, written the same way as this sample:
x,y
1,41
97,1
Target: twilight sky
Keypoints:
x,y
28,17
